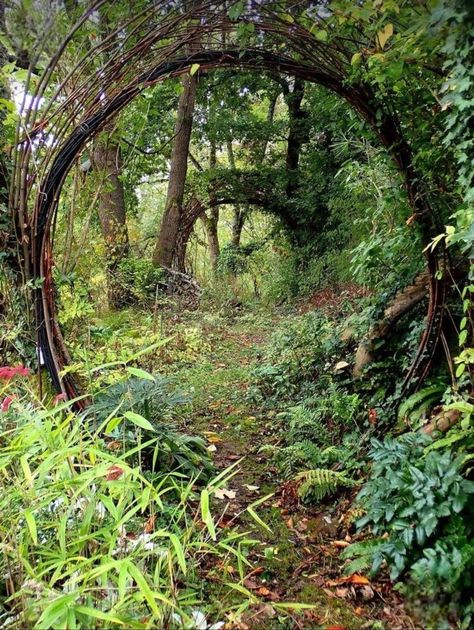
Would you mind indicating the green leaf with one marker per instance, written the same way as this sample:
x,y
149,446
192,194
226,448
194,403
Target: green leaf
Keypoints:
x,y
206,514
321,35
141,373
179,552
112,424
139,421
97,614
236,10
31,522
55,611
144,587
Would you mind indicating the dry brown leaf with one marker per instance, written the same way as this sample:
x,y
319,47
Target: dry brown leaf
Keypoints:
x,y
150,524
113,473
340,543
222,493
355,578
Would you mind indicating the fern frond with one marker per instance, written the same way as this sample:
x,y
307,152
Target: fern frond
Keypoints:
x,y
320,482
420,401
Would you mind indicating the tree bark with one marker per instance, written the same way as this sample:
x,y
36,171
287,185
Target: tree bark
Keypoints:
x,y
401,304
211,223
239,212
107,161
296,134
167,236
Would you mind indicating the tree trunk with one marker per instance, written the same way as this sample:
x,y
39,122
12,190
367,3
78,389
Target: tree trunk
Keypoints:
x,y
401,304
237,225
107,161
167,236
296,135
211,223
239,213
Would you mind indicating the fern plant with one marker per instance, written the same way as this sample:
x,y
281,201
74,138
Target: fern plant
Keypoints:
x,y
415,407
318,483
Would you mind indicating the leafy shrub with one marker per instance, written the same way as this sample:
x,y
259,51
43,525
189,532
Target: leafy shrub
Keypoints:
x,y
140,278
296,356
418,500
90,538
154,399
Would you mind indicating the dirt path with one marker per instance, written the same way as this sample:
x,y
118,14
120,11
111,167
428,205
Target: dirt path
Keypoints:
x,y
299,559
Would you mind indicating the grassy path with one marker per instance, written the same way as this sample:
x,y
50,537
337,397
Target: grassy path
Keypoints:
x,y
299,560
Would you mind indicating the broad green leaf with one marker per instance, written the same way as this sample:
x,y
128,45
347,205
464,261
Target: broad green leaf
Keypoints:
x,y
140,373
139,421
206,514
31,522
179,552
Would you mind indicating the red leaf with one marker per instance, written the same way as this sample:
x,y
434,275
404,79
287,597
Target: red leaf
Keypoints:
x,y
113,473
7,401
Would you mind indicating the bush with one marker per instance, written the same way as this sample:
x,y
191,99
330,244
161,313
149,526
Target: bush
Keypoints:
x,y
419,502
90,537
297,355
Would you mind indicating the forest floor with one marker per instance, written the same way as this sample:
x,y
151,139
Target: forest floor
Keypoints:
x,y
299,560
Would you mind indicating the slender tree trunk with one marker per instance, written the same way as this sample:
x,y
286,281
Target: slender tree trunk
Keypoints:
x,y
107,161
239,212
211,221
167,236
296,135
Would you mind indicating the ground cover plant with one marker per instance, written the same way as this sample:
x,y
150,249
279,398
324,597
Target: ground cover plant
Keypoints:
x,y
236,327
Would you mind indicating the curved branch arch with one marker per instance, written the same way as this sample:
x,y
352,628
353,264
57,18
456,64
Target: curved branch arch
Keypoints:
x,y
146,49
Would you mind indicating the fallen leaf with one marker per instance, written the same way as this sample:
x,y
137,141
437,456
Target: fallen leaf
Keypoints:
x,y
349,579
250,584
366,593
222,493
214,439
150,524
265,592
113,473
340,543
114,445
266,610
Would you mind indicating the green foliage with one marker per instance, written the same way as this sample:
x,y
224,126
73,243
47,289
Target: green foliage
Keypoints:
x,y
316,484
419,501
156,400
91,535
297,355
413,408
139,277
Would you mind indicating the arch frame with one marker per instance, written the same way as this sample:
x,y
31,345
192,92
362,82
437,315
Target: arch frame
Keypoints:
x,y
92,107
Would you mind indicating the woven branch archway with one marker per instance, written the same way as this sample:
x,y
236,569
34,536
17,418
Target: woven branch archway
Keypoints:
x,y
159,40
